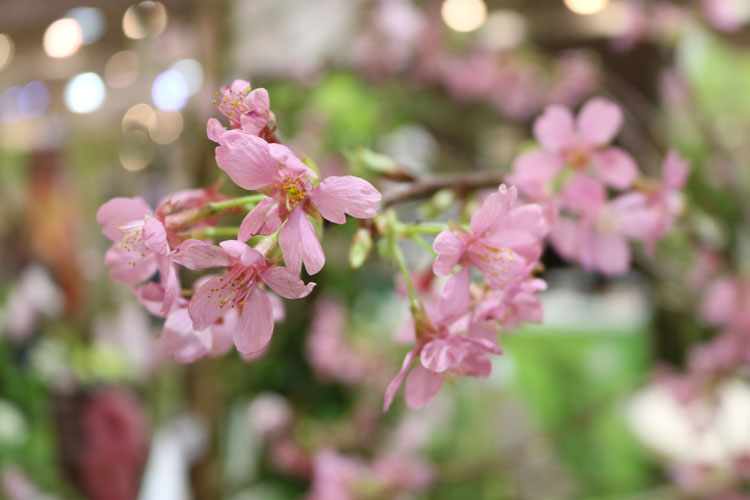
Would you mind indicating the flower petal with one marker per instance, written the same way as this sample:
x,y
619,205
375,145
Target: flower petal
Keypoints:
x,y
215,130
675,170
616,167
197,254
255,326
554,128
129,267
206,305
246,159
299,244
155,237
286,157
262,219
599,121
440,355
455,299
421,387
533,172
337,196
247,255
450,249
119,211
181,340
285,283
170,281
394,385
611,254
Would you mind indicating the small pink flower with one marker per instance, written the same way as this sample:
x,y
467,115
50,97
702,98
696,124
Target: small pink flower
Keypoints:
x,y
448,344
247,109
503,241
577,143
240,289
666,202
514,305
598,237
272,169
727,302
141,245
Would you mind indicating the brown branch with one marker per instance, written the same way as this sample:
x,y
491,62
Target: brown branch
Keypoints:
x,y
427,186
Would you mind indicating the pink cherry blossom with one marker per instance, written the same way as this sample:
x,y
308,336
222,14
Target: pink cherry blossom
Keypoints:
x,y
504,239
141,245
579,143
240,289
598,238
666,201
727,302
448,343
246,109
274,170
514,305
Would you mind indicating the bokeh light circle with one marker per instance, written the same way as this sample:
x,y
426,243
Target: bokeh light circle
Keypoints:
x,y
85,93
62,38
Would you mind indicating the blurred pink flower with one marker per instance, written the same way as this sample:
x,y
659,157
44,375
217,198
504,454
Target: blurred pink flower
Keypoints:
x,y
579,143
666,201
598,238
239,289
727,15
274,170
514,305
114,446
727,303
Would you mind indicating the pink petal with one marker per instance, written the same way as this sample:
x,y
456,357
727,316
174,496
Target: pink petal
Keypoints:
x,y
394,385
155,237
255,326
285,283
421,387
675,170
599,121
222,333
611,254
129,267
615,167
567,238
246,159
476,364
247,255
440,355
524,225
554,128
215,130
533,171
584,195
262,219
206,305
238,86
450,249
284,155
181,340
279,314
718,306
197,254
299,244
170,281
337,196
455,299
493,208
119,211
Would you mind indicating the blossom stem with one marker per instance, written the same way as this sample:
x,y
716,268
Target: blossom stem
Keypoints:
x,y
219,206
214,232
398,255
422,243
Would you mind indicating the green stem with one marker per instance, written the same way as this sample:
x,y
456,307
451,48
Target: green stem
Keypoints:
x,y
398,255
219,206
214,232
422,243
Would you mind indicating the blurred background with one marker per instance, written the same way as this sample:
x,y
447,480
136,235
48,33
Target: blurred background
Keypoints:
x,y
104,99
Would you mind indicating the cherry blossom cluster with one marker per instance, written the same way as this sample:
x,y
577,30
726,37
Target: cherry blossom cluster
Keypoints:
x,y
233,305
455,334
572,173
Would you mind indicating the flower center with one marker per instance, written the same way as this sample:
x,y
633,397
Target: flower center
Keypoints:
x,y
294,191
579,158
132,240
232,103
234,286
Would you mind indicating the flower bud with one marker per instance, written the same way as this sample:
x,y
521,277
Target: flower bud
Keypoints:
x,y
361,247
